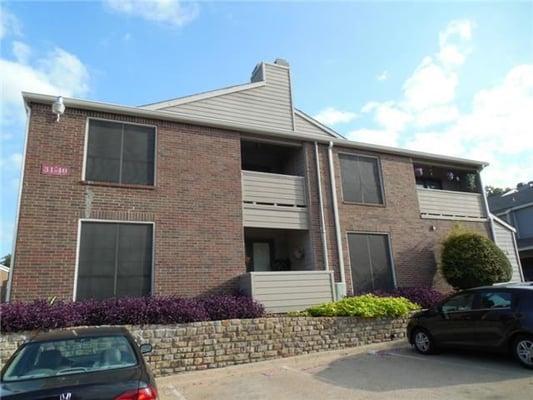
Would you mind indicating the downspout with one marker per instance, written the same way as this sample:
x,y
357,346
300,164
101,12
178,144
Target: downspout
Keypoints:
x,y
340,287
321,205
487,210
17,217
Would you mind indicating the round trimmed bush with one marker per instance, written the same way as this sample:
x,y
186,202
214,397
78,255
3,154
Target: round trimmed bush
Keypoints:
x,y
470,259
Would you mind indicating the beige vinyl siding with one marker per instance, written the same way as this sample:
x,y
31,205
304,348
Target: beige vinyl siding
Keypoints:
x,y
444,204
290,290
264,187
305,127
265,216
266,106
505,241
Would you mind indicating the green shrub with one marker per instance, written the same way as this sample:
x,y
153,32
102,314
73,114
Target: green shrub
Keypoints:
x,y
469,259
366,306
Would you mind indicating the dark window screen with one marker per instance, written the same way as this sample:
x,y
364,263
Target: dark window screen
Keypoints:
x,y
370,262
120,153
361,181
115,260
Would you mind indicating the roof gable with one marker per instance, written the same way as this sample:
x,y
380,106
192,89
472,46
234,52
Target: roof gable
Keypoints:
x,y
266,102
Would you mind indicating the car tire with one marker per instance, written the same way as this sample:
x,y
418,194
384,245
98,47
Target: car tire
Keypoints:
x,y
423,341
523,350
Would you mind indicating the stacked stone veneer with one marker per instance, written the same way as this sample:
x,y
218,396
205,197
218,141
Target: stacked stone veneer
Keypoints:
x,y
214,344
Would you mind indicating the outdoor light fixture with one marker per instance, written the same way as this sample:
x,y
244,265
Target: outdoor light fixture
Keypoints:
x,y
58,107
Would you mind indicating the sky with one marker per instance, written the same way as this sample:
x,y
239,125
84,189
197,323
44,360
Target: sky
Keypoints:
x,y
453,78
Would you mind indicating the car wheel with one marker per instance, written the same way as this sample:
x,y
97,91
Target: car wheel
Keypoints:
x,y
523,350
423,342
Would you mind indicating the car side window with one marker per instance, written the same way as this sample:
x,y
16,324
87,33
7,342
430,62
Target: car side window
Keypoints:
x,y
459,303
495,300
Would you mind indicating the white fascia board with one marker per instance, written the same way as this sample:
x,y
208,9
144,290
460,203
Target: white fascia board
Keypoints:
x,y
319,125
272,132
502,223
203,96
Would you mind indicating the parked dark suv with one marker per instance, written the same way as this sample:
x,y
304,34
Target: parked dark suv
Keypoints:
x,y
494,318
79,364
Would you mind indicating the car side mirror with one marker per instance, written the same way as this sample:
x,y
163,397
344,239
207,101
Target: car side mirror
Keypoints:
x,y
146,348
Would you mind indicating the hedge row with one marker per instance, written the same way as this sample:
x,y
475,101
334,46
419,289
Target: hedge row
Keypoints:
x,y
365,306
125,311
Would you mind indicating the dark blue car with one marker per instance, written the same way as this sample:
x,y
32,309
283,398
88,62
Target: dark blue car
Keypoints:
x,y
494,318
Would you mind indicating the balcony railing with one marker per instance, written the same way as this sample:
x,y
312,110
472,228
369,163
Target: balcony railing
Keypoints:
x,y
274,201
286,291
445,204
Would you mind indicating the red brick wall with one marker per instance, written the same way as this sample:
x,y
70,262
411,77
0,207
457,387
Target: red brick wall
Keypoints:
x,y
197,210
196,207
414,244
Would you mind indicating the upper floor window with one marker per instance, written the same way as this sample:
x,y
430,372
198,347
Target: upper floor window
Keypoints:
x,y
361,181
120,153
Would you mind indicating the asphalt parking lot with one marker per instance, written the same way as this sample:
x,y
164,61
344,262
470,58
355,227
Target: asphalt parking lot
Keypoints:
x,y
386,371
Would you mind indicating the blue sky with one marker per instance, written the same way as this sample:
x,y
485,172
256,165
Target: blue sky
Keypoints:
x,y
454,78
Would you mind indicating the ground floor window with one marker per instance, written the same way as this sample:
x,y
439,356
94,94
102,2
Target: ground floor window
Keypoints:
x,y
115,260
370,261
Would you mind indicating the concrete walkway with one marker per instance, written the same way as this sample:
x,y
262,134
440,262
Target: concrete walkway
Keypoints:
x,y
385,371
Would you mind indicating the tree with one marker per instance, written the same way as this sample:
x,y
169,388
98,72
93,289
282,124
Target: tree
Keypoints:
x,y
6,260
495,191
469,259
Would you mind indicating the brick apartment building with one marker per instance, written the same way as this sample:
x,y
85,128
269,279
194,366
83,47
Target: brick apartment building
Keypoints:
x,y
229,189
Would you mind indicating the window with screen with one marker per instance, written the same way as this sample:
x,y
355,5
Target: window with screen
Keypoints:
x,y
361,182
120,153
370,261
115,260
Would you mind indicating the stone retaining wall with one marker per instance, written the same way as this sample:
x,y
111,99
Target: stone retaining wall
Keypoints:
x,y
214,344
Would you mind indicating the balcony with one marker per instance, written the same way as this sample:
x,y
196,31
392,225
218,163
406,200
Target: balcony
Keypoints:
x,y
449,192
287,291
274,201
447,204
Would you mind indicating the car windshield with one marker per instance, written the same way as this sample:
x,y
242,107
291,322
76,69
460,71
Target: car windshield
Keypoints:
x,y
70,356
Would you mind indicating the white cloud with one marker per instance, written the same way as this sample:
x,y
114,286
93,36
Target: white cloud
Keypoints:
x,y
497,130
436,116
58,72
21,51
389,116
430,85
9,23
331,116
383,76
454,42
168,12
375,136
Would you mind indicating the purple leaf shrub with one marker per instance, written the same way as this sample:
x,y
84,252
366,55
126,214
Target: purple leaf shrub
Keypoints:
x,y
40,315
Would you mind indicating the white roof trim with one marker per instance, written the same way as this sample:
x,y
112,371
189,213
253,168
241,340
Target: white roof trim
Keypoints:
x,y
4,268
203,95
502,222
319,125
215,123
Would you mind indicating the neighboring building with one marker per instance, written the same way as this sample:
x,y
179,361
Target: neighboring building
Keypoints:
x,y
4,274
224,190
516,208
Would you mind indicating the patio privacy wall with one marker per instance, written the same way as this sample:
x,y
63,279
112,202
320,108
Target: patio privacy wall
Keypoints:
x,y
214,344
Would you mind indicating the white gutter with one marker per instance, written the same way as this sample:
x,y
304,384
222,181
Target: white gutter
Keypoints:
x,y
341,287
321,205
17,216
231,125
